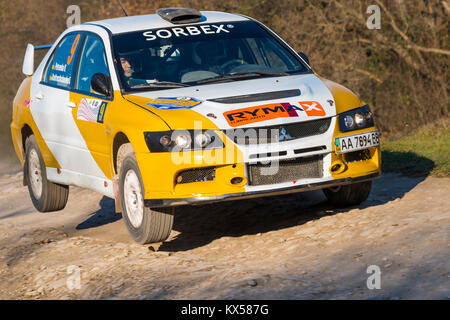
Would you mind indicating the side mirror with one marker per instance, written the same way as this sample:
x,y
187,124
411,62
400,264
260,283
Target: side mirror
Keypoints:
x,y
304,57
101,83
28,61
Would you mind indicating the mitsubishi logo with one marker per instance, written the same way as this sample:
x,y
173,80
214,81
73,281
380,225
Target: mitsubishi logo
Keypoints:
x,y
284,135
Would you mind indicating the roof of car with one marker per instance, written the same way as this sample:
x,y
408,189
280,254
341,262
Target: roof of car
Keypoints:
x,y
152,21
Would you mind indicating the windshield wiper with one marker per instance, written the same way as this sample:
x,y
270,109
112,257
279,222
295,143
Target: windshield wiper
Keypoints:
x,y
260,73
160,84
242,75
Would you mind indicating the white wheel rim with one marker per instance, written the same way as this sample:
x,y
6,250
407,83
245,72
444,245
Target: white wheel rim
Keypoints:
x,y
35,174
133,199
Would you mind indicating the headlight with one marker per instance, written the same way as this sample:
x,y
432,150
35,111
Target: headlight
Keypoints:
x,y
182,140
360,120
356,119
349,122
203,139
165,140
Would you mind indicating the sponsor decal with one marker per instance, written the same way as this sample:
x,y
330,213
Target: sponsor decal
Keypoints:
x,y
92,110
59,67
244,116
331,102
313,108
26,103
174,103
187,31
211,115
101,112
60,79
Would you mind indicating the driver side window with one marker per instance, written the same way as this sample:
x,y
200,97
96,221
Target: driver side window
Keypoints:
x,y
92,61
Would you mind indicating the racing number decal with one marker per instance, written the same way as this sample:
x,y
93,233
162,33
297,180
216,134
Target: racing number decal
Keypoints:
x,y
74,48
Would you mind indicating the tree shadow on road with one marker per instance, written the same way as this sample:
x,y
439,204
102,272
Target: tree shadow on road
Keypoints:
x,y
200,225
342,277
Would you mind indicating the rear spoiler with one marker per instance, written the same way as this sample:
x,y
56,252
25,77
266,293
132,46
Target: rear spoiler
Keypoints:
x,y
28,61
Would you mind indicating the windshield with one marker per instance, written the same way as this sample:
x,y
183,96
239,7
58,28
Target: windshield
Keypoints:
x,y
200,54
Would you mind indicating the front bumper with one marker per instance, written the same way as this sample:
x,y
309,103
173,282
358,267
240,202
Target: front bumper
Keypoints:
x,y
160,172
155,203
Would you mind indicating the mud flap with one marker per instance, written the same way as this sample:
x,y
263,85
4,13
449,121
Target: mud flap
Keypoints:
x,y
117,194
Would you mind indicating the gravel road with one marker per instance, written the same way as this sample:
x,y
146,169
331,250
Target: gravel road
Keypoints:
x,y
288,247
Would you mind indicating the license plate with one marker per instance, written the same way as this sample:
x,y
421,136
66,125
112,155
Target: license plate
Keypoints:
x,y
357,142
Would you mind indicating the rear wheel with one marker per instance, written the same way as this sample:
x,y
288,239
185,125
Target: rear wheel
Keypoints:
x,y
45,195
348,195
145,225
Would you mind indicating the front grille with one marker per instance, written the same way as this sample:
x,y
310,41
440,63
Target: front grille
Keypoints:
x,y
259,96
197,175
288,170
272,134
359,155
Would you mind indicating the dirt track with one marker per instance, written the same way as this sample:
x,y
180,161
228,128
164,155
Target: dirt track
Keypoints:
x,y
290,247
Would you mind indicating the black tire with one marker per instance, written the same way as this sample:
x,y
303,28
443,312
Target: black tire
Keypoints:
x,y
348,195
156,224
53,196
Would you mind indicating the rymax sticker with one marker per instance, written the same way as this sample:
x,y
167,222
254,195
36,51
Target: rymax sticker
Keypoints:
x,y
265,112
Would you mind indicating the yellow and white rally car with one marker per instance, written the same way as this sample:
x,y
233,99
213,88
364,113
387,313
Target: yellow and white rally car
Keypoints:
x,y
184,107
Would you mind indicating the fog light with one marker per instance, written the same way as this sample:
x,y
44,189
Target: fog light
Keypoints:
x,y
335,168
236,180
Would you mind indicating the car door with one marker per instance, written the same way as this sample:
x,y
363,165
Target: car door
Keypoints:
x,y
53,113
91,111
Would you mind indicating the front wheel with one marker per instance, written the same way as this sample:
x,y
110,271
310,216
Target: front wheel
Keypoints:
x,y
348,195
145,225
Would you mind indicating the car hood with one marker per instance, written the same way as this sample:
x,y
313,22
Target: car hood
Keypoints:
x,y
241,104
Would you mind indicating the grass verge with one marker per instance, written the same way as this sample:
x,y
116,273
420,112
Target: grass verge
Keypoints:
x,y
427,151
